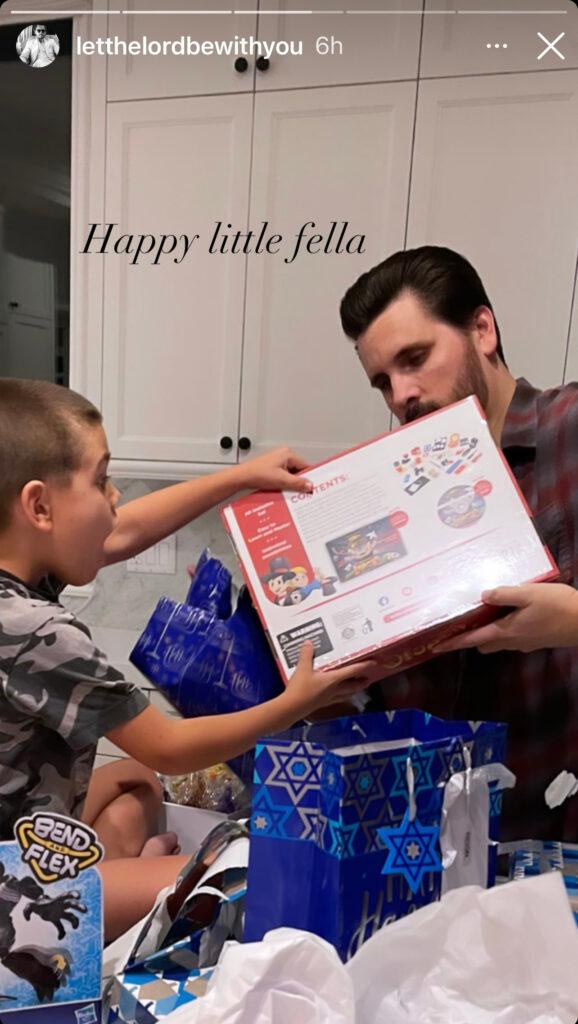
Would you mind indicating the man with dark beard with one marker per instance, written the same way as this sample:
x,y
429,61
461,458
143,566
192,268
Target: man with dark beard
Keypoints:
x,y
426,336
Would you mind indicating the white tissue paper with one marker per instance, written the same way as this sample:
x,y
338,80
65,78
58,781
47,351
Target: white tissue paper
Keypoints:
x,y
291,977
564,785
507,955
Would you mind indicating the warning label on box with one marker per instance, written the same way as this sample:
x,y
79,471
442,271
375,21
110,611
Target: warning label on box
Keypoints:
x,y
292,640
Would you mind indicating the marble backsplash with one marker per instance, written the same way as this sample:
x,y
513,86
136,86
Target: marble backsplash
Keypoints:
x,y
125,600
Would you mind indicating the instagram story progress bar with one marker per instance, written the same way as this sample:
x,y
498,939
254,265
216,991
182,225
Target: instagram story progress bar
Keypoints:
x,y
398,9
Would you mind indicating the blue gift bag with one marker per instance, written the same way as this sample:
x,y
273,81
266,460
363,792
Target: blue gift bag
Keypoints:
x,y
204,657
332,812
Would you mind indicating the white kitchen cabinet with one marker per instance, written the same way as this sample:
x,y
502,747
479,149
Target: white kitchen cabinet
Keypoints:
x,y
172,335
28,287
338,47
249,346
333,48
27,318
27,348
150,76
181,346
457,43
492,163
339,155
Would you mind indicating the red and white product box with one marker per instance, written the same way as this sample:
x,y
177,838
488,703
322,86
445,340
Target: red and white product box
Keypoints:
x,y
392,550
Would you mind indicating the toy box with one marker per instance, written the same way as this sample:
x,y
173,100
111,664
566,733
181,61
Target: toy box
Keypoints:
x,y
191,824
50,923
390,553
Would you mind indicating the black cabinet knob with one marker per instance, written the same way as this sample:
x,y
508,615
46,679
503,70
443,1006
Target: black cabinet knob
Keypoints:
x,y
13,305
244,443
226,443
241,65
263,63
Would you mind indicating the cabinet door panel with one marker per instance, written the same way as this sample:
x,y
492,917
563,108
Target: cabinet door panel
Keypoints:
x,y
149,76
29,286
457,43
336,155
363,47
173,332
27,348
494,172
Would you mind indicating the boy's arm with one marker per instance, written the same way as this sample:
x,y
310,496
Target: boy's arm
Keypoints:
x,y
176,746
144,521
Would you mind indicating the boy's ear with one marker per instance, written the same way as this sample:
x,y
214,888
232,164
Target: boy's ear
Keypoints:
x,y
35,505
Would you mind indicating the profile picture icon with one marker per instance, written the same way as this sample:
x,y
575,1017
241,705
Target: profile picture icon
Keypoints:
x,y
37,47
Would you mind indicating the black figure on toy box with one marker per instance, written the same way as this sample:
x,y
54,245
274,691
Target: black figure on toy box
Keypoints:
x,y
45,969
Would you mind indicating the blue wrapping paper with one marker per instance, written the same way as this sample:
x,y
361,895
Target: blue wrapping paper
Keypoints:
x,y
148,991
316,857
530,857
155,982
205,658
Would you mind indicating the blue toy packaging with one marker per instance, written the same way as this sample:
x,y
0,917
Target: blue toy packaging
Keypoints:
x,y
51,933
206,658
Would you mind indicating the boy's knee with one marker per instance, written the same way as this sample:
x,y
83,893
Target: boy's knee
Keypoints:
x,y
138,775
127,775
133,817
151,791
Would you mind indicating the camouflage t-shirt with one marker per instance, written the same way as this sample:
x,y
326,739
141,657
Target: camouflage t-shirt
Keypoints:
x,y
58,696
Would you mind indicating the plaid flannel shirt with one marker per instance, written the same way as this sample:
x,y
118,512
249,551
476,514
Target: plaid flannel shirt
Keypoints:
x,y
535,694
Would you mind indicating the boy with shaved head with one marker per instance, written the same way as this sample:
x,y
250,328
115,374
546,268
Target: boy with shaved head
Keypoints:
x,y
59,524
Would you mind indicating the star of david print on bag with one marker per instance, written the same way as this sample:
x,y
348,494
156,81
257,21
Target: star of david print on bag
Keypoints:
x,y
338,847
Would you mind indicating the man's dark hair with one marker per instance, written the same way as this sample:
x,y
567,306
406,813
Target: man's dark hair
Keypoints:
x,y
444,282
40,25
39,435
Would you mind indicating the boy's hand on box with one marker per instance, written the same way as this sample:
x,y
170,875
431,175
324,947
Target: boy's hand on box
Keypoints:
x,y
275,471
319,688
545,615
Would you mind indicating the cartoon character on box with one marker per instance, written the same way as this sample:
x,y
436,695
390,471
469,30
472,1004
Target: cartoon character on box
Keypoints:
x,y
302,585
287,585
277,580
360,548
46,968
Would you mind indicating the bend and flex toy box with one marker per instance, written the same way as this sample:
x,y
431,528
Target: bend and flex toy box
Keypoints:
x,y
50,923
390,553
